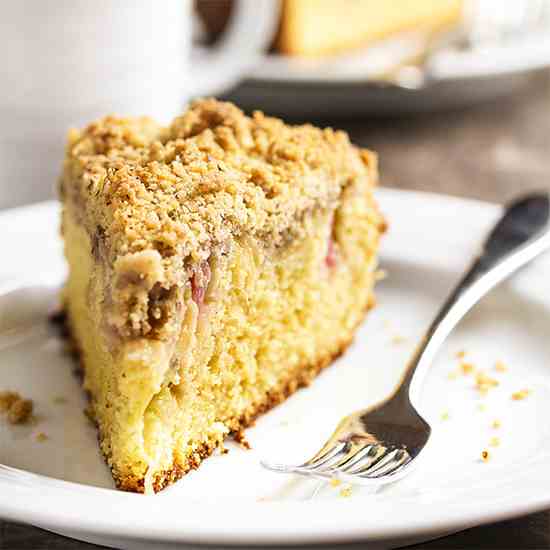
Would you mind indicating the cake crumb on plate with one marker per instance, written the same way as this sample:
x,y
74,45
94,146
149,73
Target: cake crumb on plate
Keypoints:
x,y
467,368
501,367
18,409
484,382
485,456
495,424
346,491
520,395
41,437
7,398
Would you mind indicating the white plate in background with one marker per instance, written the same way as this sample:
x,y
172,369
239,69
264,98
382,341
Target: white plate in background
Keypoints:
x,y
62,484
506,48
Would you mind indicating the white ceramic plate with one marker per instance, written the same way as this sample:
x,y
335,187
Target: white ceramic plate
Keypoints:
x,y
62,484
350,85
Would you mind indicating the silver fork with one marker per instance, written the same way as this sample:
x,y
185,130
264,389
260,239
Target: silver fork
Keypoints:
x,y
380,444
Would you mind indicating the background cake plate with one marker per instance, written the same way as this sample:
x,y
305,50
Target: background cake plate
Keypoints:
x,y
350,85
61,484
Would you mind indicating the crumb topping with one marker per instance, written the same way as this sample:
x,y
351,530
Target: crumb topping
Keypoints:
x,y
213,172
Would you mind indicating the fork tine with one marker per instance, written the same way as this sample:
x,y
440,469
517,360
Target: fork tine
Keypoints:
x,y
327,467
373,457
359,456
328,456
392,468
336,464
309,466
386,463
366,456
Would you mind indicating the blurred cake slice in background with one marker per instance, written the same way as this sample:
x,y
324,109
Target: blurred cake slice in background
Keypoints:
x,y
323,27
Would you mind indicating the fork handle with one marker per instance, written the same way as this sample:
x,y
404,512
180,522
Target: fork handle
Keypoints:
x,y
520,235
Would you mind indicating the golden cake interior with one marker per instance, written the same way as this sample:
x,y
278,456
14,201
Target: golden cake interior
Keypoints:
x,y
213,270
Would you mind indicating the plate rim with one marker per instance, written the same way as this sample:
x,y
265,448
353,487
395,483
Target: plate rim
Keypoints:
x,y
276,68
76,506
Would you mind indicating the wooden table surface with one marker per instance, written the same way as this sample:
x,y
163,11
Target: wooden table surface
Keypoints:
x,y
491,152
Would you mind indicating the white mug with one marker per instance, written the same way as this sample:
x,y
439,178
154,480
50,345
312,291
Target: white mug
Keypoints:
x,y
68,62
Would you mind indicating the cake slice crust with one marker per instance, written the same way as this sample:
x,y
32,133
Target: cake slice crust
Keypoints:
x,y
215,266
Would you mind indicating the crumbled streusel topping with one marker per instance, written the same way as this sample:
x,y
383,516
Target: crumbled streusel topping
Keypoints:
x,y
214,171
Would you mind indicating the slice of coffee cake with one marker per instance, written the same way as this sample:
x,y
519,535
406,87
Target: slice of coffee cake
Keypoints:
x,y
215,266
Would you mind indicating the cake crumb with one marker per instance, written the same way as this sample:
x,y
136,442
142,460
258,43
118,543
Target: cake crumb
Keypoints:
x,y
380,275
453,375
484,382
500,367
346,491
482,407
445,415
466,368
18,409
7,399
59,400
398,339
334,482
495,424
521,394
41,437
485,456
460,354
494,442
